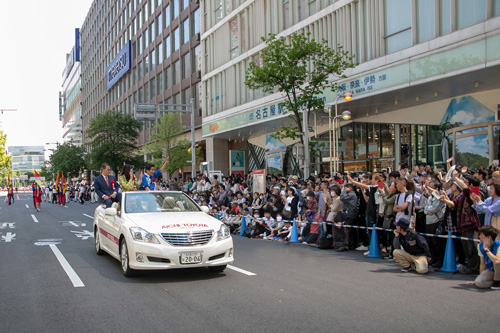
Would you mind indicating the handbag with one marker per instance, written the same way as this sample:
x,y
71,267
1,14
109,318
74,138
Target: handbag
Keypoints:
x,y
286,214
329,217
387,224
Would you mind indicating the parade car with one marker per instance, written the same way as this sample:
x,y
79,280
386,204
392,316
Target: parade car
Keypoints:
x,y
156,230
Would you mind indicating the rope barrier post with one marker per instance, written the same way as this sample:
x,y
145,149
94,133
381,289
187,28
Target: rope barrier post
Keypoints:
x,y
449,263
294,238
243,227
374,248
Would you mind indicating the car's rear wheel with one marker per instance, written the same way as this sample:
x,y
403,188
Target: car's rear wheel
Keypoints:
x,y
124,259
217,269
97,242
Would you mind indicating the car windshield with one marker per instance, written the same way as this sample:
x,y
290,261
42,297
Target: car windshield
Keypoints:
x,y
154,202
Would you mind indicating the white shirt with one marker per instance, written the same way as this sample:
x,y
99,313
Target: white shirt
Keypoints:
x,y
400,200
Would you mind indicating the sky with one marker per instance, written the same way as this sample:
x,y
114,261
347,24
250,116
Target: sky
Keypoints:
x,y
35,37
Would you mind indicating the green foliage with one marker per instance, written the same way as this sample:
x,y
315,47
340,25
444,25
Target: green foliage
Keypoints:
x,y
472,161
47,172
67,158
300,69
166,142
113,136
5,160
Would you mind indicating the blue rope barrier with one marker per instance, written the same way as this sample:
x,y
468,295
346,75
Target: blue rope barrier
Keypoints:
x,y
376,228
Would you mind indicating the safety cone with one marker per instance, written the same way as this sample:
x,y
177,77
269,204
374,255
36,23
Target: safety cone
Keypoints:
x,y
374,249
243,227
449,263
294,237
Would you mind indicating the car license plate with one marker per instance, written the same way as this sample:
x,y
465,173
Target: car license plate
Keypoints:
x,y
190,257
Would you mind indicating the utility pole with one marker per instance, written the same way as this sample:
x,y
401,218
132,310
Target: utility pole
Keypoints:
x,y
305,125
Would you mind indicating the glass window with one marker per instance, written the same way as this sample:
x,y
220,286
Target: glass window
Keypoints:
x,y
153,88
168,48
146,92
176,38
159,84
196,18
146,64
146,38
218,10
159,22
197,58
398,25
286,14
185,31
153,60
141,99
434,154
302,10
387,135
470,12
140,71
185,4
168,78
360,140
176,8
141,46
177,73
234,37
496,12
160,53
186,59
373,140
166,15
348,138
312,7
425,20
445,17
243,29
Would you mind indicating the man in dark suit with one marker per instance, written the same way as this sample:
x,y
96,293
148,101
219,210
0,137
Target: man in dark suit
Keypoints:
x,y
105,187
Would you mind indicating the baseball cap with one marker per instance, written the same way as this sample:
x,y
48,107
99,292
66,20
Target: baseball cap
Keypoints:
x,y
403,223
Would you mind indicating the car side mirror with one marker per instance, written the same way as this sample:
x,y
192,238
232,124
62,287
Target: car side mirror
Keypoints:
x,y
205,209
111,212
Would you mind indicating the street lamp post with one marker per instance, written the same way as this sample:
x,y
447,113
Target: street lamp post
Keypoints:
x,y
331,124
346,115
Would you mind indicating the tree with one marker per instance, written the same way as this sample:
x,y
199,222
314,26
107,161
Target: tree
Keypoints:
x,y
113,137
300,69
166,142
5,160
67,158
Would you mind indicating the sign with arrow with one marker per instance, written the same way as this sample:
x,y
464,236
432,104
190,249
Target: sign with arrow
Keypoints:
x,y
84,234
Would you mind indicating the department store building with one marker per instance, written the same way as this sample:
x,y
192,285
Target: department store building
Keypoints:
x,y
422,65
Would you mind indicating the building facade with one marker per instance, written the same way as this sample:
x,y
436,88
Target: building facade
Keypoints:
x,y
423,66
136,52
70,107
27,158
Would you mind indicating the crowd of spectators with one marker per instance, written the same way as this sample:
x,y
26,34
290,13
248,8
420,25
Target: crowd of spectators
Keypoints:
x,y
409,201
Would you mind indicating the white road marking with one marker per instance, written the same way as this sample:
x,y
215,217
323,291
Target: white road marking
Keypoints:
x,y
27,206
85,234
89,216
4,225
8,237
34,218
75,279
242,271
73,223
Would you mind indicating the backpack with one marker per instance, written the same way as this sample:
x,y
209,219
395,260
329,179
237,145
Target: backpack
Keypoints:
x,y
326,242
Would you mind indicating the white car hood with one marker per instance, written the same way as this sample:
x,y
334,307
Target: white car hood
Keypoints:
x,y
175,222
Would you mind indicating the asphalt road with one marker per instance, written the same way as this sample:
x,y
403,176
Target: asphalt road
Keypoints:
x,y
295,288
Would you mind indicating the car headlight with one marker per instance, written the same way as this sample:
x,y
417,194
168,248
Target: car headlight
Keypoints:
x,y
141,235
223,232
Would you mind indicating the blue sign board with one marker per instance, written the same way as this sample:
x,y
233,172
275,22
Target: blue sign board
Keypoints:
x,y
77,44
119,66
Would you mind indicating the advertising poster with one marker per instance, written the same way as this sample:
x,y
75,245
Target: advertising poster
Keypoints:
x,y
259,181
237,162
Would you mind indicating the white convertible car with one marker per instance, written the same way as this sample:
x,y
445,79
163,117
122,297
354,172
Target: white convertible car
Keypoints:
x,y
161,230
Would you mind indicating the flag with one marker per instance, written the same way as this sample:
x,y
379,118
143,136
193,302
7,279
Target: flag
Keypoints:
x,y
63,180
36,173
57,179
8,179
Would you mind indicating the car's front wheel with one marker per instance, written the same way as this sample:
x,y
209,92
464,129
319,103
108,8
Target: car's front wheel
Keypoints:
x,y
124,259
217,269
97,242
